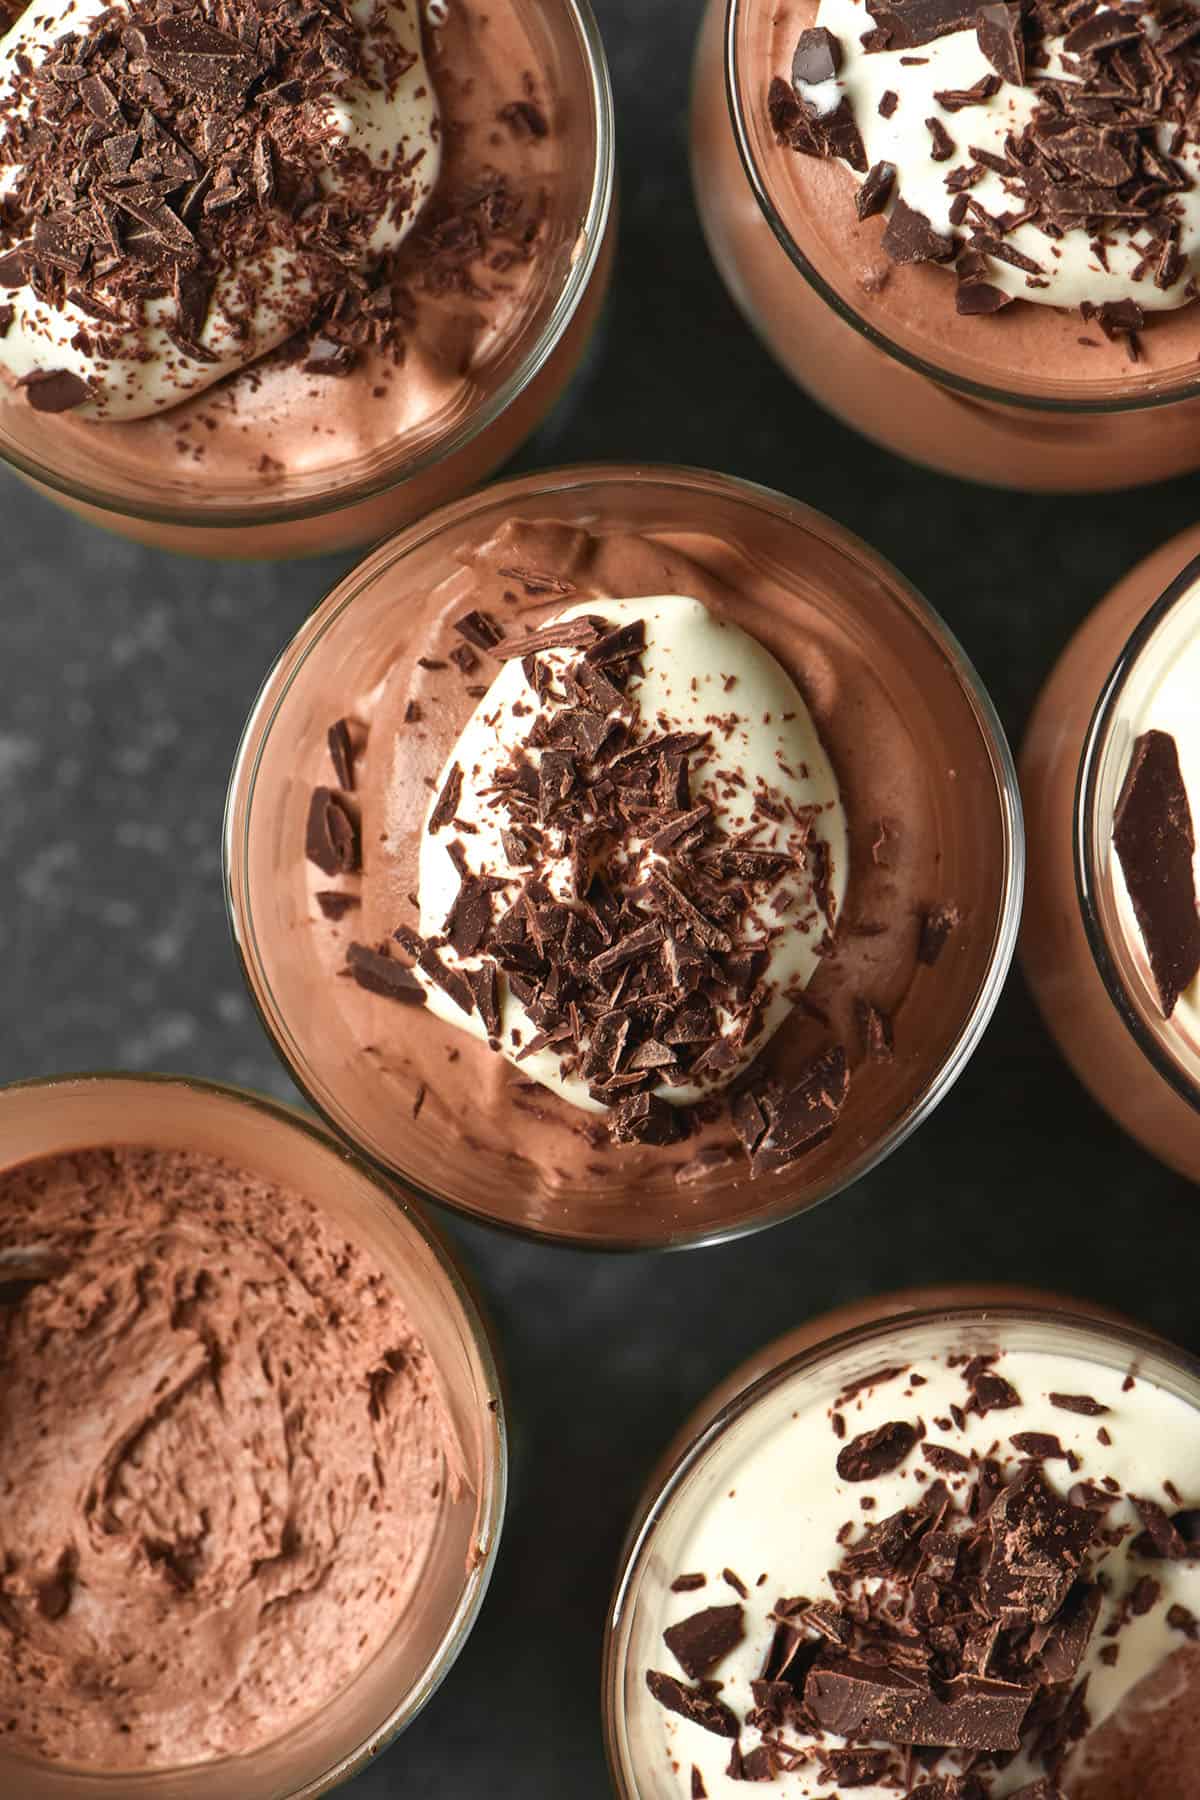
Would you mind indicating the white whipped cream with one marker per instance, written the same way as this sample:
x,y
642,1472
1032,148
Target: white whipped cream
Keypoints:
x,y
1161,696
388,121
769,1502
1068,265
767,733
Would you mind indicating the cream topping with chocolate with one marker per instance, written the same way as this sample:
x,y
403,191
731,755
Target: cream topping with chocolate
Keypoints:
x,y
192,193
224,1456
398,347
658,1008
1044,152
660,733
961,1581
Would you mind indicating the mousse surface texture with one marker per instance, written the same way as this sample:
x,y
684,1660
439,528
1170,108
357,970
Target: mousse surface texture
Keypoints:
x,y
223,1459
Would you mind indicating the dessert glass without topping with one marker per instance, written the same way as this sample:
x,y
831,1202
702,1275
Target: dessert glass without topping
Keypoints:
x,y
57,1117
689,1517
1083,956
913,740
967,395
479,372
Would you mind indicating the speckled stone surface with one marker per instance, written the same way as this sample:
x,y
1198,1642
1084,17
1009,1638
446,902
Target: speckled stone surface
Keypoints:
x,y
126,678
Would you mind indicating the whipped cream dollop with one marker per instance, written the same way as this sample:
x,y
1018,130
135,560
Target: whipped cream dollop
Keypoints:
x,y
372,145
760,782
893,95
771,1506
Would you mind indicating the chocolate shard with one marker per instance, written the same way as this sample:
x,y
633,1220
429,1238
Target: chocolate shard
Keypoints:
x,y
447,801
875,192
485,985
1062,1645
335,905
907,24
937,925
799,1119
1161,1537
1037,1543
856,1768
55,390
1083,1404
818,58
332,836
877,1452
383,975
644,1119
1155,843
970,1712
700,1642
910,238
480,629
341,754
998,29
950,1787
567,634
697,1705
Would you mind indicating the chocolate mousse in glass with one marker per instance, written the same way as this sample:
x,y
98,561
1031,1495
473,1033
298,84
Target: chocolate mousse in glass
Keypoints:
x,y
624,855
949,1554
278,276
970,230
254,1453
1110,771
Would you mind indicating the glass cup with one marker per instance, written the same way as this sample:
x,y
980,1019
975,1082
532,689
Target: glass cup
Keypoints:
x,y
105,474
1090,982
964,410
855,612
53,1117
811,1367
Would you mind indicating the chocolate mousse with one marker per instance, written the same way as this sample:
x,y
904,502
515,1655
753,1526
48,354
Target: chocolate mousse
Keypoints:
x,y
628,858
955,1580
224,1459
1017,180
265,240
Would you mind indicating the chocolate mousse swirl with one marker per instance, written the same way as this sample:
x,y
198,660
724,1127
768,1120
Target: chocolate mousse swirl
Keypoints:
x,y
1044,151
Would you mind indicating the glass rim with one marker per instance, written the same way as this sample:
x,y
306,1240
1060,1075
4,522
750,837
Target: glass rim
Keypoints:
x,y
489,1526
650,1509
1088,839
593,231
986,392
286,668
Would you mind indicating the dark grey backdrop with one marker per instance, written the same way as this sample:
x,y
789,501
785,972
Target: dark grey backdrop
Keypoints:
x,y
126,678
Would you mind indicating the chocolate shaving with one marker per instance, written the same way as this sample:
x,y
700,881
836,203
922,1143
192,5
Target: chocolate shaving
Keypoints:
x,y
875,192
332,836
697,1705
1155,843
447,801
700,1642
383,975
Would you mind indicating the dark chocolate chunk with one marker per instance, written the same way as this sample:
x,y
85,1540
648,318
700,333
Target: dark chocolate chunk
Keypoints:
x,y
687,1584
805,1114
332,837
1037,1544
1039,1444
335,906
341,754
480,629
447,802
327,357
998,29
907,24
876,190
858,1699
485,986
856,1768
700,1642
954,100
55,390
383,975
937,923
644,1119
567,634
877,1452
699,1791
943,144
910,238
1181,1618
1155,843
818,57
697,1705
1162,1537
